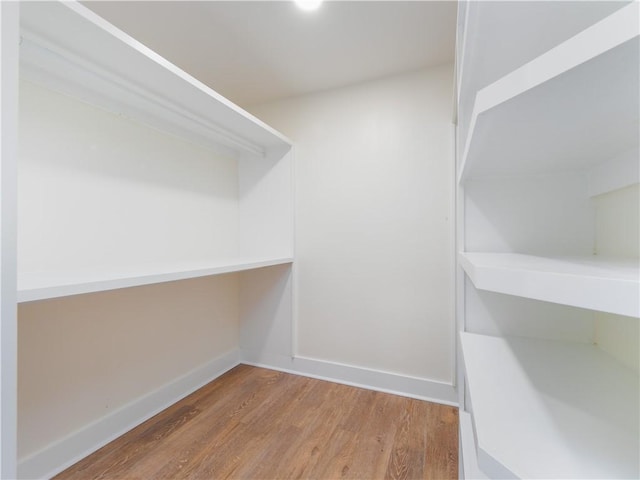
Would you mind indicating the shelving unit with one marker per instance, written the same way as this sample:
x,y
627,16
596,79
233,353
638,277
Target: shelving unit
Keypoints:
x,y
575,102
524,414
131,172
553,406
67,48
608,285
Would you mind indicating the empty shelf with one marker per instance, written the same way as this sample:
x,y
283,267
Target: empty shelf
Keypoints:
x,y
588,282
550,409
68,48
571,108
40,286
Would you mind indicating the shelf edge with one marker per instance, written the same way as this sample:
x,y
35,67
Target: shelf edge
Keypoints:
x,y
582,291
48,60
135,280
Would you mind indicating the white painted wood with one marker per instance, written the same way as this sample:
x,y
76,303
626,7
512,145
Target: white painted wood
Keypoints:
x,y
266,313
567,109
490,56
265,205
39,286
56,457
618,172
199,213
468,449
542,138
9,39
545,409
597,283
618,233
490,313
69,48
159,208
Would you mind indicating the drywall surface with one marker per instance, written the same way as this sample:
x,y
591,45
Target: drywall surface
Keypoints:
x,y
618,235
374,266
96,189
82,357
538,214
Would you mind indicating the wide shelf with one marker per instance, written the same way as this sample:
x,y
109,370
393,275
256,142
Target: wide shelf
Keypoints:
x,y
550,409
68,48
596,283
569,109
41,286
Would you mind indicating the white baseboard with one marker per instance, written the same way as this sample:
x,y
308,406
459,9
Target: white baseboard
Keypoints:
x,y
65,452
388,382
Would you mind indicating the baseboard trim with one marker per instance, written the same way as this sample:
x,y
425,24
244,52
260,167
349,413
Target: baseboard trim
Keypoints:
x,y
60,455
388,382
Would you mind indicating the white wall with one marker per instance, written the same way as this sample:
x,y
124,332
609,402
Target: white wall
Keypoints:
x,y
83,357
539,214
374,167
96,190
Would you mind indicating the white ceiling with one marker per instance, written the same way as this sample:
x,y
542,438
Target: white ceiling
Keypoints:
x,y
256,51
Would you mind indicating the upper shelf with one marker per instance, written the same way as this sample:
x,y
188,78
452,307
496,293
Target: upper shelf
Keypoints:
x,y
68,48
570,108
40,286
550,409
595,283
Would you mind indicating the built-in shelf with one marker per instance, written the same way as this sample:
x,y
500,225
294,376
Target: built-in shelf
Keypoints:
x,y
468,449
596,283
550,409
68,48
571,108
40,286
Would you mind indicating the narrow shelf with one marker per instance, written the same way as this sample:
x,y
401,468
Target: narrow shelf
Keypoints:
x,y
571,108
548,409
596,283
40,286
68,48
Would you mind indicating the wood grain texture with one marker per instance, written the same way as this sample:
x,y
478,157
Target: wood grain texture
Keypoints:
x,y
255,423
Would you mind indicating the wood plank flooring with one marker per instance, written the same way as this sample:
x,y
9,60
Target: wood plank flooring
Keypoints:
x,y
254,423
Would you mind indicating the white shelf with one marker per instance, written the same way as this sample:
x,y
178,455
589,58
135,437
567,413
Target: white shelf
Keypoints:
x,y
68,48
40,286
596,283
468,451
547,409
571,108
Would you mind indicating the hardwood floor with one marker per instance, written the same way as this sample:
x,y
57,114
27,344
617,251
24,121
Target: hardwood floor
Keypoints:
x,y
254,423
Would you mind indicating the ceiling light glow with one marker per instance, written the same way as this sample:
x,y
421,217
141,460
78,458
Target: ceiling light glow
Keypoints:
x,y
308,5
